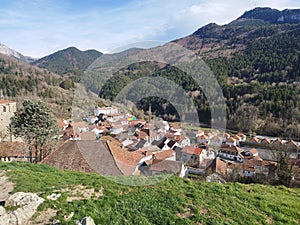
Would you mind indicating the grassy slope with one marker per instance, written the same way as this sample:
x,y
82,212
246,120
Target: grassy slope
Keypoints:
x,y
173,201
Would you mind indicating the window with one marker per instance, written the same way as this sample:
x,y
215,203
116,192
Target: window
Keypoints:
x,y
4,108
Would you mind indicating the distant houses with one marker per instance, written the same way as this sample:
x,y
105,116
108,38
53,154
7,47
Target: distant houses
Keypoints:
x,y
115,144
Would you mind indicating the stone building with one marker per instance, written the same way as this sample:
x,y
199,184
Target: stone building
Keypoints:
x,y
7,110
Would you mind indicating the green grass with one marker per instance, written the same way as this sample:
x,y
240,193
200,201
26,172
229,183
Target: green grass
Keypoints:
x,y
172,201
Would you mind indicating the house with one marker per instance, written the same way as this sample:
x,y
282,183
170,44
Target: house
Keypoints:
x,y
254,152
192,156
166,125
292,145
117,129
127,161
14,151
167,167
127,142
260,166
200,133
7,110
216,141
153,136
231,152
203,139
218,166
242,169
242,136
226,136
254,140
165,143
89,135
178,153
171,144
266,141
84,156
105,111
231,141
277,142
184,141
165,155
176,127
237,138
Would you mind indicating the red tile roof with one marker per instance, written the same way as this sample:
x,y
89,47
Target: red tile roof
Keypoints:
x,y
231,140
85,156
254,139
192,150
3,101
241,135
125,160
164,154
87,136
17,149
253,151
242,167
266,140
60,123
219,166
292,143
277,142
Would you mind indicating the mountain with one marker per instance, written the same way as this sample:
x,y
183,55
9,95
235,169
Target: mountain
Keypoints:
x,y
14,54
70,61
273,16
257,64
258,51
20,80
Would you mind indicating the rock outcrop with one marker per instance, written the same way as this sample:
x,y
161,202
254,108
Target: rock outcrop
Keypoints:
x,y
26,205
86,221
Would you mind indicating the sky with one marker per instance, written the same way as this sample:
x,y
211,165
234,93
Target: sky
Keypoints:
x,y
40,27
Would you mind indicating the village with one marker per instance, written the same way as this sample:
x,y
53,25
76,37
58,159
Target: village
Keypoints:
x,y
113,142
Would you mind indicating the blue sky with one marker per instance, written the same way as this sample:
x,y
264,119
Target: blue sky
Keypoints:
x,y
40,27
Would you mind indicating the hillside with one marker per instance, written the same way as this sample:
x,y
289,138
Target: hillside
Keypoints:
x,y
20,80
14,54
173,201
70,61
248,55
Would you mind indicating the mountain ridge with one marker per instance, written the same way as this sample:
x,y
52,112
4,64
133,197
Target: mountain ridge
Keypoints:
x,y
69,61
273,16
14,54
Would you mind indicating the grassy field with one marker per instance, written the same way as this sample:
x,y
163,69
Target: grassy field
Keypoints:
x,y
172,201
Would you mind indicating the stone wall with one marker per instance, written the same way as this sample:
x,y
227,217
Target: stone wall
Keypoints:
x,y
7,110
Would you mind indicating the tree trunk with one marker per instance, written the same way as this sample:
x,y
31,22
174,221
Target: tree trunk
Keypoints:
x,y
30,154
36,154
41,154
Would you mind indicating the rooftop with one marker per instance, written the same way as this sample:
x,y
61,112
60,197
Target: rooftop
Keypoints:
x,y
85,156
3,101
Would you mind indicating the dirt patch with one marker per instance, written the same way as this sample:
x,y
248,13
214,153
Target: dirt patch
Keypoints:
x,y
6,186
185,214
81,192
44,217
204,211
269,220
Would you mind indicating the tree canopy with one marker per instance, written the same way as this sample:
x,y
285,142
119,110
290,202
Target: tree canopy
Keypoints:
x,y
34,122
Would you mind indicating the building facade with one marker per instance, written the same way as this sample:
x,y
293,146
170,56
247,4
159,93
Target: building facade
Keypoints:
x,y
7,110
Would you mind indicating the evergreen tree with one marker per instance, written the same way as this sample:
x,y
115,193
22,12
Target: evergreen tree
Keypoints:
x,y
36,123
